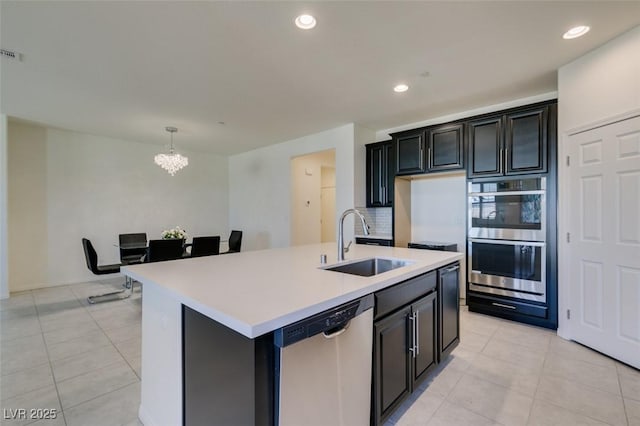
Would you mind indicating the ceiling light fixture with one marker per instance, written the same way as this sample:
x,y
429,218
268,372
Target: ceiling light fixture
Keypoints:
x,y
305,22
401,88
576,32
171,162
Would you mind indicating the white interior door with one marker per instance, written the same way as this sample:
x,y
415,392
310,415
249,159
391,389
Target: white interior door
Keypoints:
x,y
328,216
604,248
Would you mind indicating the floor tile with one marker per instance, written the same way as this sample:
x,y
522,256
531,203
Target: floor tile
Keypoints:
x,y
629,382
582,399
115,408
452,415
95,383
118,319
131,331
480,324
491,401
473,342
506,374
70,332
9,314
442,382
64,320
58,421
573,350
22,353
130,349
44,398
597,376
534,338
512,352
546,414
78,345
19,327
420,411
25,381
85,362
17,301
632,408
460,359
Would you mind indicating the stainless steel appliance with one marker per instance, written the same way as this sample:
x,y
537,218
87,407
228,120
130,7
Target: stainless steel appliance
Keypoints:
x,y
507,238
324,367
434,245
508,268
508,209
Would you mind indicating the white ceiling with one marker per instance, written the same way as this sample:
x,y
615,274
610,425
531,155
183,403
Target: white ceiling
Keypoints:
x,y
128,69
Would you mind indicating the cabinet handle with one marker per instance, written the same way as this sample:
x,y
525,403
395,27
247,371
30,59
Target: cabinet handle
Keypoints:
x,y
500,305
500,166
453,268
429,162
413,348
417,323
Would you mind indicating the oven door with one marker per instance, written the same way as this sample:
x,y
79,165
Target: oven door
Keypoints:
x,y
512,209
508,268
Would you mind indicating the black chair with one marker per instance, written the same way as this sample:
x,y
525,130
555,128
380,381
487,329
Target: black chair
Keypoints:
x,y
235,241
91,257
161,250
131,255
204,246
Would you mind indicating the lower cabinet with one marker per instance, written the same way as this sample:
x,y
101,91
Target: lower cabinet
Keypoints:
x,y
405,346
416,326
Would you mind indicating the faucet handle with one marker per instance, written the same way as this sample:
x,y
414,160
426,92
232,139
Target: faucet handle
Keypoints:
x,y
346,249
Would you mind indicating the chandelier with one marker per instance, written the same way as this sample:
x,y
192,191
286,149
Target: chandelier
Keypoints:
x,y
173,161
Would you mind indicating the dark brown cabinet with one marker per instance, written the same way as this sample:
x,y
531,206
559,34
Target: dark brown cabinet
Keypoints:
x,y
380,174
508,144
449,310
405,342
410,153
445,148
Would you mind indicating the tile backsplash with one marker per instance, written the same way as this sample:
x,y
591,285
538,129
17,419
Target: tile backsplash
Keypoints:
x,y
378,219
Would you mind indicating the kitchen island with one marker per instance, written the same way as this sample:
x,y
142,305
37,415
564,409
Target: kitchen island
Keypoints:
x,y
252,294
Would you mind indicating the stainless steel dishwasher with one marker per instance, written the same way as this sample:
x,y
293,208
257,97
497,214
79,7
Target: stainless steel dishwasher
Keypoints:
x,y
323,367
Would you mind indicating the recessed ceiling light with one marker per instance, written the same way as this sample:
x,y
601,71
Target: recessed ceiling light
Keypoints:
x,y
401,88
306,22
576,32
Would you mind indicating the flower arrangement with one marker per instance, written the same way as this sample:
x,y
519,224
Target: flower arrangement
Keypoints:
x,y
177,233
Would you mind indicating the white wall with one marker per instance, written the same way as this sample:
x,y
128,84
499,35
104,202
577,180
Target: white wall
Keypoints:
x,y
260,186
439,211
66,185
600,87
4,262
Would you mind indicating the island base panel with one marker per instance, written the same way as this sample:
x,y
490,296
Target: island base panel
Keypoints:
x,y
227,377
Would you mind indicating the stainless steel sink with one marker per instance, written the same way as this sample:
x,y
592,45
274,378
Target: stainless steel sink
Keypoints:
x,y
369,267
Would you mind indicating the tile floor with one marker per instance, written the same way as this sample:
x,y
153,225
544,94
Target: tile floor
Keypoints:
x,y
59,352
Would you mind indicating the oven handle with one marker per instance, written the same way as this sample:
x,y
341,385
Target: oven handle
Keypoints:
x,y
496,194
508,242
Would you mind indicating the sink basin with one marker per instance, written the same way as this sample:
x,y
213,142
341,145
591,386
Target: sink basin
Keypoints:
x,y
369,267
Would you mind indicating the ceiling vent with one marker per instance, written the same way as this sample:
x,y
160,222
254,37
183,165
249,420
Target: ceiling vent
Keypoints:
x,y
11,55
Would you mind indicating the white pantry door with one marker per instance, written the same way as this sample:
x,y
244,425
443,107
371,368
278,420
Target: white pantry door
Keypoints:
x,y
604,248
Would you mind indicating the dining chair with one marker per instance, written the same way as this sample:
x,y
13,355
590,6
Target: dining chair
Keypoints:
x,y
235,241
91,257
204,246
132,255
161,250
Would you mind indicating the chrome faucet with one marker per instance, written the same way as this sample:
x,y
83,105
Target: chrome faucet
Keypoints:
x,y
365,229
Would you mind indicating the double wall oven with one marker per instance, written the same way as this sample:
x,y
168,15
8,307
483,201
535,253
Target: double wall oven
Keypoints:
x,y
507,238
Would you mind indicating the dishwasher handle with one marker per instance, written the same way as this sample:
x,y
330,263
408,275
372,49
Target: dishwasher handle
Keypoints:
x,y
338,332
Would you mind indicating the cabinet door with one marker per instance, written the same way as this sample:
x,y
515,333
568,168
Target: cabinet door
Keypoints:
x,y
392,375
526,141
390,174
375,175
409,154
425,318
485,147
449,309
445,148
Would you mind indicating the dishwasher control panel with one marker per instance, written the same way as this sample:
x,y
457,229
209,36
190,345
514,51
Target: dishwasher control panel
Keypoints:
x,y
331,319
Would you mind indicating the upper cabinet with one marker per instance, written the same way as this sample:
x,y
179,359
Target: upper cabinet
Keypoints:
x,y
380,174
430,149
444,151
410,153
508,144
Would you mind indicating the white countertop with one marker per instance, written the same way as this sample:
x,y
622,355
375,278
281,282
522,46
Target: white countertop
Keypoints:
x,y
256,292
